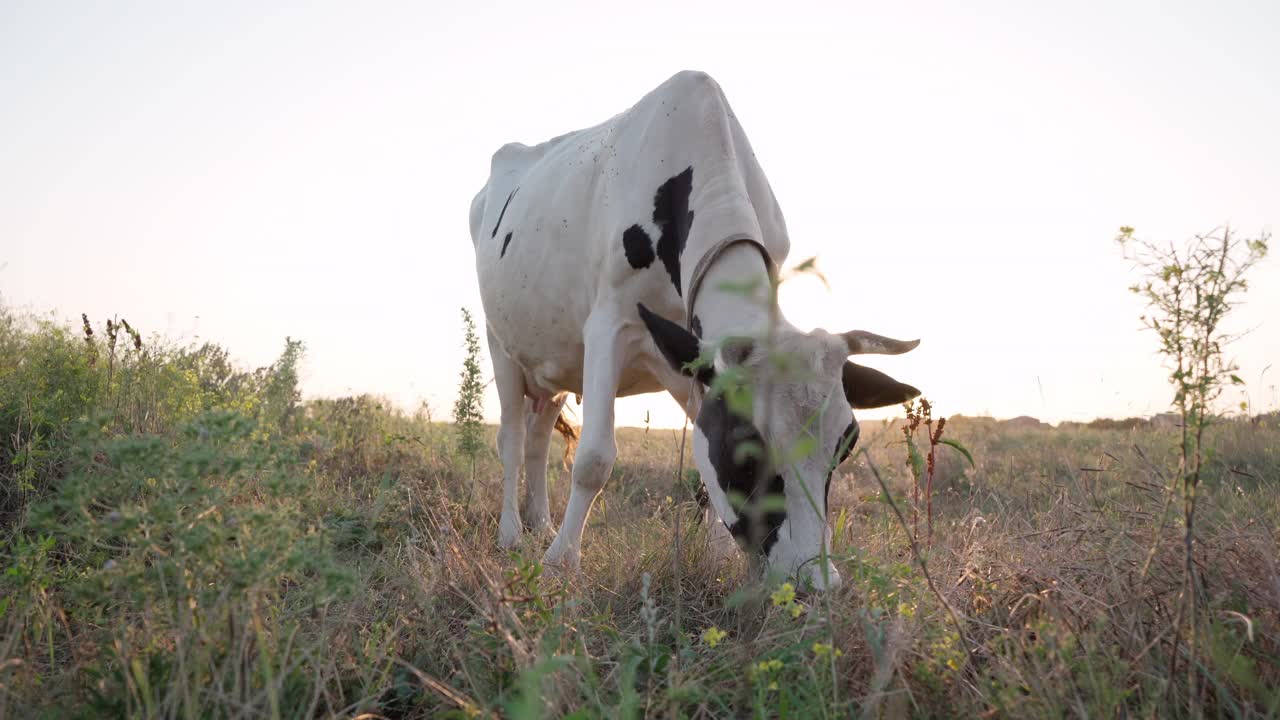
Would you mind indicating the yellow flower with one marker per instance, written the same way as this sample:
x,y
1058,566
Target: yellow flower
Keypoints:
x,y
821,650
713,635
773,685
784,595
796,610
765,666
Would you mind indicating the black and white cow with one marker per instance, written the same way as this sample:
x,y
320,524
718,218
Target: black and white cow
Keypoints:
x,y
602,256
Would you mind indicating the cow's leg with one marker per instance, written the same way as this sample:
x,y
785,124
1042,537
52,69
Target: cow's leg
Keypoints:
x,y
510,381
540,422
602,369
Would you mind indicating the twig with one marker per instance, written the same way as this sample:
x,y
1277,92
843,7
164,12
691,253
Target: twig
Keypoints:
x,y
675,558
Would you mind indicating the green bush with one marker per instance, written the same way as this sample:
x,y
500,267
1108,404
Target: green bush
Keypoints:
x,y
161,550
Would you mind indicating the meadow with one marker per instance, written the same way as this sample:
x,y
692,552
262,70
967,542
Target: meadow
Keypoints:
x,y
184,537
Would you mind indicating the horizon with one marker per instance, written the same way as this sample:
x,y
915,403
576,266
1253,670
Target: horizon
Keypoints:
x,y
238,175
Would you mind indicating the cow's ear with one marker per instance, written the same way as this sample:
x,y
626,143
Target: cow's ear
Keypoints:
x,y
866,388
679,346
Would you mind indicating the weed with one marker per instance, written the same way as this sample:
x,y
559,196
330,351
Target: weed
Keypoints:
x,y
467,412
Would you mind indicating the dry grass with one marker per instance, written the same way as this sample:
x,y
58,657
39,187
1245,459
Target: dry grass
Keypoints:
x,y
1060,552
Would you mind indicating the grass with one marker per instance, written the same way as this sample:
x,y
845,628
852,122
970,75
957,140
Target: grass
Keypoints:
x,y
184,538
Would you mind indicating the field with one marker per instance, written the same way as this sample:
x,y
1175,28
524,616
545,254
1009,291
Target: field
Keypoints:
x,y
184,538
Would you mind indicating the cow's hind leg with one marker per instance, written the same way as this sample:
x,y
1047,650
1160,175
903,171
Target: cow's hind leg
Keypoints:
x,y
541,420
511,435
602,360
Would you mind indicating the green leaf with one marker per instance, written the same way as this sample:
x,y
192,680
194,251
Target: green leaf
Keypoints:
x,y
810,267
773,503
802,449
737,500
1235,380
747,449
738,288
917,460
963,450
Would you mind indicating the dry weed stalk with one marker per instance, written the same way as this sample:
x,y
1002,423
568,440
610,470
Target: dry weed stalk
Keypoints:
x,y
916,418
920,560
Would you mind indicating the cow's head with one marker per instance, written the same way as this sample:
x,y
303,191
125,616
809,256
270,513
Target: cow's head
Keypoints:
x,y
766,451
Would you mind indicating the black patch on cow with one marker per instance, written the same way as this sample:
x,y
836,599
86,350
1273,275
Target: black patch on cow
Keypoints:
x,y
678,346
505,242
866,388
638,246
848,439
498,224
672,215
736,450
696,326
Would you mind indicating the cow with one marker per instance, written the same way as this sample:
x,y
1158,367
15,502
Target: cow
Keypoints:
x,y
609,261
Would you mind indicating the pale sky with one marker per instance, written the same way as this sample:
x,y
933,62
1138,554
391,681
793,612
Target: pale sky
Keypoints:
x,y
245,171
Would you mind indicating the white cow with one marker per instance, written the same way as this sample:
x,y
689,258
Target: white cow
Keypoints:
x,y
602,256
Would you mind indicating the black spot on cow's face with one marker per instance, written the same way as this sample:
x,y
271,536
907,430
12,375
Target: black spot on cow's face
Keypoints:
x,y
671,213
505,242
502,214
638,246
736,450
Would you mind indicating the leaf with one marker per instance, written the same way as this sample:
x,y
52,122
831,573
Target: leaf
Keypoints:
x,y
917,460
737,500
773,503
738,288
963,450
802,449
747,449
810,267
1235,380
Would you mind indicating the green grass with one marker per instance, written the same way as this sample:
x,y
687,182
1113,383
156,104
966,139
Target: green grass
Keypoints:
x,y
184,538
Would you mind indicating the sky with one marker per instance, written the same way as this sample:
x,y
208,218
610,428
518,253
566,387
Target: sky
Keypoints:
x,y
241,172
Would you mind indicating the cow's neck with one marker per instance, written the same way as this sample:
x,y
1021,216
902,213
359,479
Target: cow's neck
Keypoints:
x,y
721,313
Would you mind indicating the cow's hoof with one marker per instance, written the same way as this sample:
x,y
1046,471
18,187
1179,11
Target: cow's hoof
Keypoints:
x,y
561,560
509,531
540,526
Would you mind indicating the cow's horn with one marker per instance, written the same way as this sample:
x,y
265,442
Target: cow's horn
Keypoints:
x,y
861,342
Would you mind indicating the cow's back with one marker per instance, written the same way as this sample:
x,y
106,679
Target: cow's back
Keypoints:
x,y
594,221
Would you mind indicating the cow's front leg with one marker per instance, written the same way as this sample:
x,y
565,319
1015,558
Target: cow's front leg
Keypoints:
x,y
602,369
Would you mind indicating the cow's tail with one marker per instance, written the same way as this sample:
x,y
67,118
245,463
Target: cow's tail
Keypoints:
x,y
570,433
